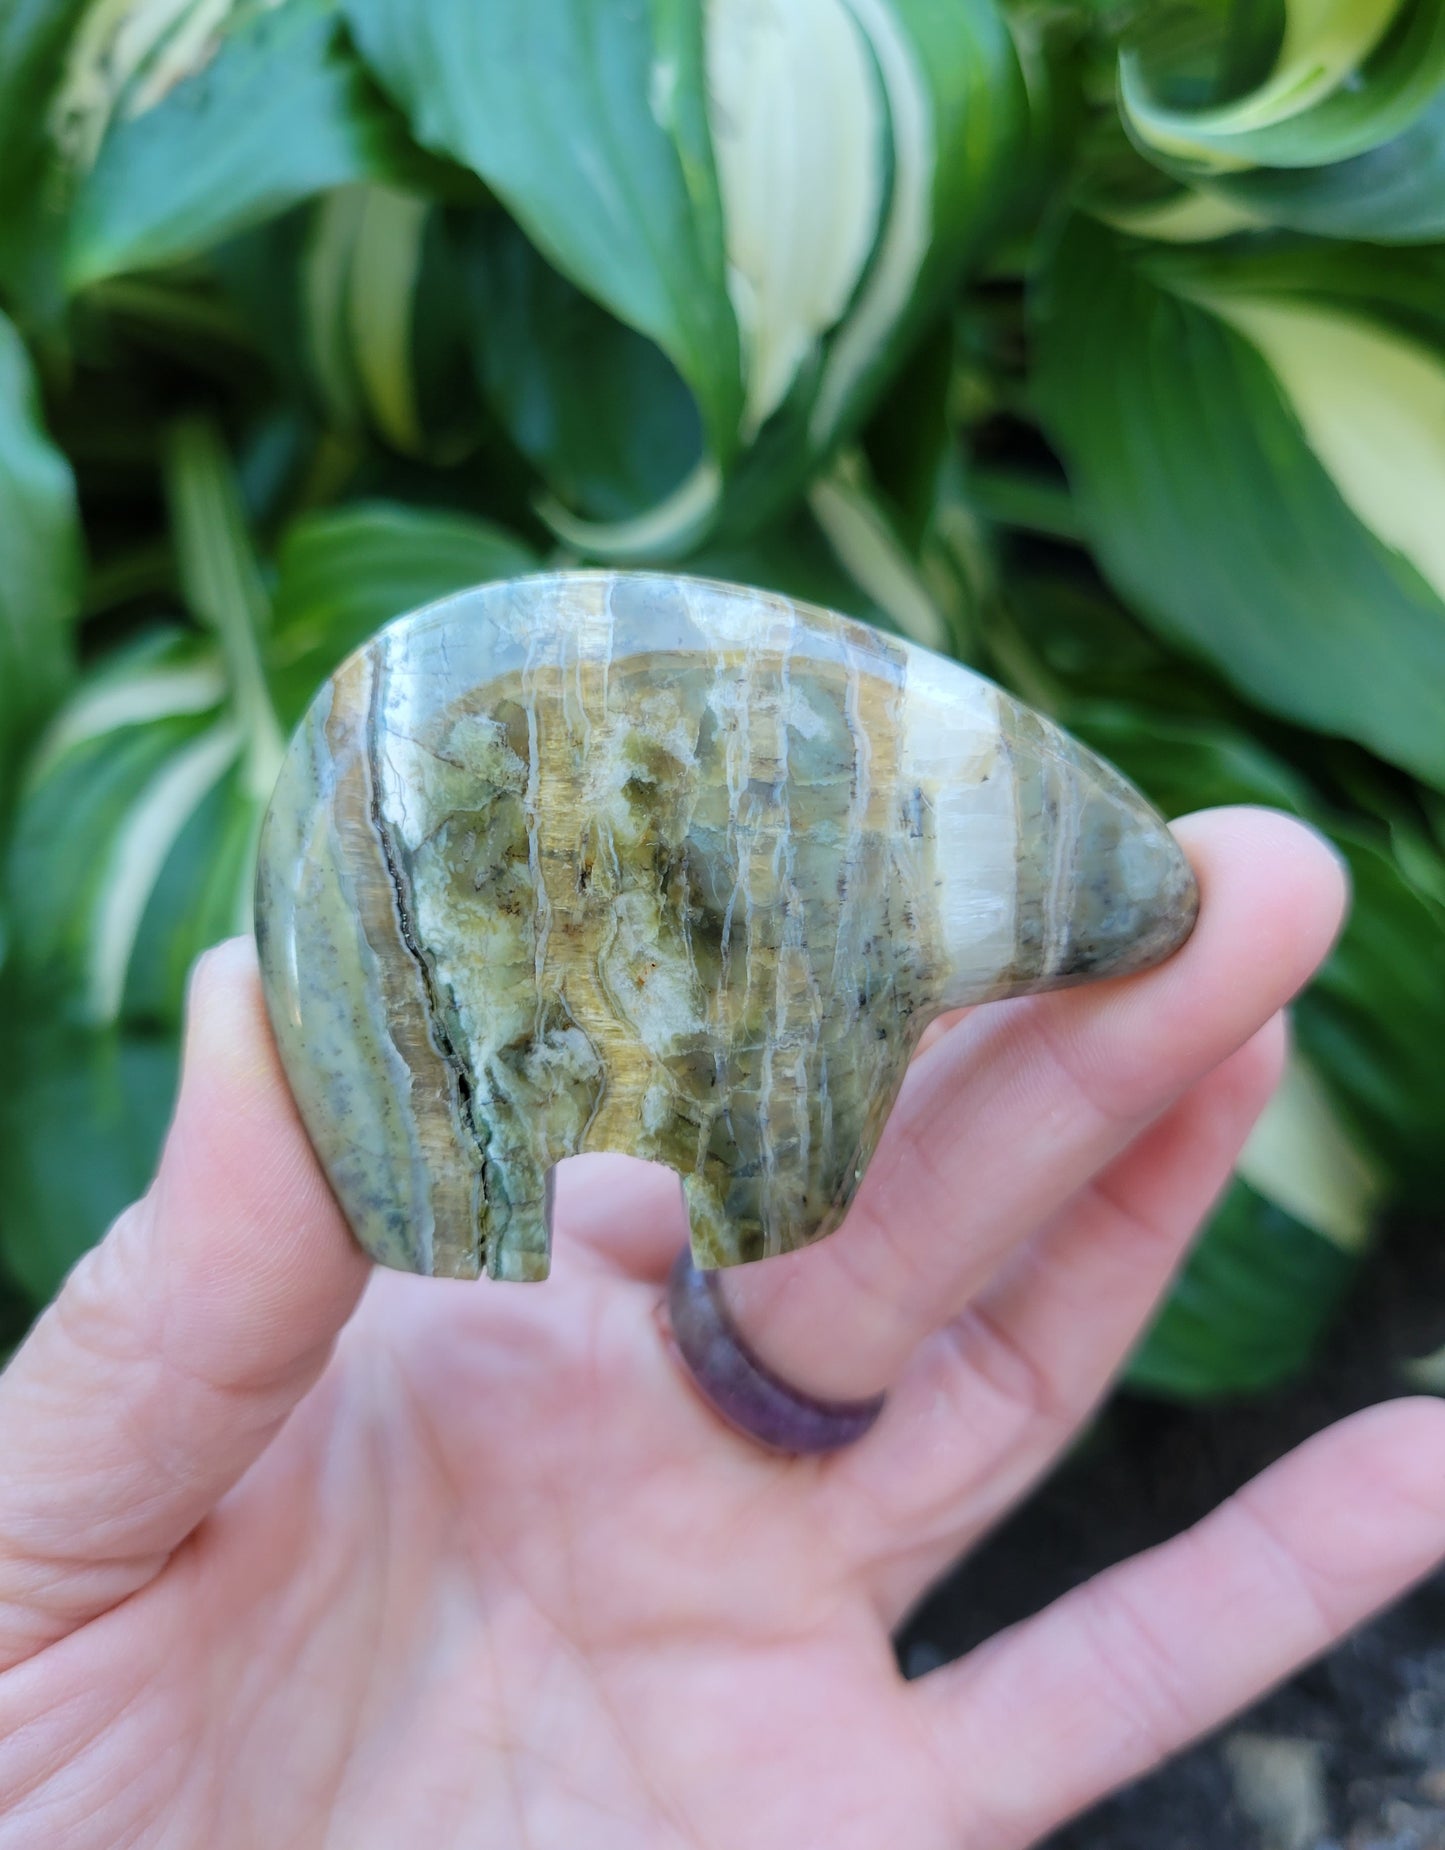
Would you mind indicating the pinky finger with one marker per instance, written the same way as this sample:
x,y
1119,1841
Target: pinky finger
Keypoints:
x,y
1130,1667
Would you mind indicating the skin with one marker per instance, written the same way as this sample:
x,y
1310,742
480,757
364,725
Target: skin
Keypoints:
x,y
291,1554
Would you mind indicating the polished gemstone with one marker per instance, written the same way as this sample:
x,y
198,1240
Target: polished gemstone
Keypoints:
x,y
641,863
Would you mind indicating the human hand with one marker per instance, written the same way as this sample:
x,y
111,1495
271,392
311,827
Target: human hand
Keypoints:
x,y
284,1561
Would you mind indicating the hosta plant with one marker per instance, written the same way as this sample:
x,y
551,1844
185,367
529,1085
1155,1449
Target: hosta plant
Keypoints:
x,y
1102,345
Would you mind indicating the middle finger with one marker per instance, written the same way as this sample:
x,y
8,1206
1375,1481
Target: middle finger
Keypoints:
x,y
1012,1111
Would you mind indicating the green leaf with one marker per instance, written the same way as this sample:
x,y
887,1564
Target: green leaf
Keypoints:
x,y
133,850
1259,505
1392,194
102,828
357,302
161,760
33,39
952,125
794,558
1348,76
385,326
957,115
361,275
1342,151
1185,763
1249,1310
119,1087
128,764
221,583
775,197
282,111
870,549
1373,1021
344,573
1302,1157
1268,1276
631,214
40,548
798,229
909,440
1266,1280
135,844
597,409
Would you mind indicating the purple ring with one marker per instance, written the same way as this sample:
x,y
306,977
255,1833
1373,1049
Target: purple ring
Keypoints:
x,y
743,1390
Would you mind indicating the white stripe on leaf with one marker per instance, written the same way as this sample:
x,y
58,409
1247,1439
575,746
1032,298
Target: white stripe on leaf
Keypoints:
x,y
139,852
326,269
908,226
872,555
222,583
1185,218
385,261
663,531
1372,406
125,56
1324,44
1300,1158
157,693
797,128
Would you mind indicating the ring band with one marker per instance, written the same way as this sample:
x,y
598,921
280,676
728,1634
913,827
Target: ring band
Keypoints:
x,y
743,1390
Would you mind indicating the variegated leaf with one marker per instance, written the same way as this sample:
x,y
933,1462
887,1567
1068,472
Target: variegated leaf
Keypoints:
x,y
188,126
40,560
1260,471
1343,134
344,573
1260,1290
629,211
118,783
773,193
133,851
1346,75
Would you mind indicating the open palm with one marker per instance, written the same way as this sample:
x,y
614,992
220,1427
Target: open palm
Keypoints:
x,y
483,1570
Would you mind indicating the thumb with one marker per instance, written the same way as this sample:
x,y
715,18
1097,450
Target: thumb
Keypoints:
x,y
178,1346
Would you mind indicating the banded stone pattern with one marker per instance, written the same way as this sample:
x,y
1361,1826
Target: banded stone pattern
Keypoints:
x,y
642,863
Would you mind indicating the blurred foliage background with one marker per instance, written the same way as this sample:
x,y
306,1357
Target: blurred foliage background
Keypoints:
x,y
1099,344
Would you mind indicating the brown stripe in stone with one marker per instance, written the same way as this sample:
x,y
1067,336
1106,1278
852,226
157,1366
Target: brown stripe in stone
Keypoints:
x,y
438,1084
